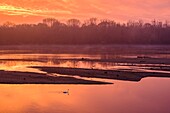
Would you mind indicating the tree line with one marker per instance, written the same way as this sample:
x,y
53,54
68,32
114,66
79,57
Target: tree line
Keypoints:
x,y
91,31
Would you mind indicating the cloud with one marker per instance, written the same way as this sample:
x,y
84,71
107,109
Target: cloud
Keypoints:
x,y
13,10
121,10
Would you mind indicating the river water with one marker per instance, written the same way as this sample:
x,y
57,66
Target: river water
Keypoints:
x,y
150,95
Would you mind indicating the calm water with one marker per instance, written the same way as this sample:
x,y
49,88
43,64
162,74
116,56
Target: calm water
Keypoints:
x,y
150,95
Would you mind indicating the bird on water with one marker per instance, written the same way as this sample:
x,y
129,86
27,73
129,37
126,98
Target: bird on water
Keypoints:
x,y
66,92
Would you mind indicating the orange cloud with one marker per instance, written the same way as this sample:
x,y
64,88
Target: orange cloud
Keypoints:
x,y
13,10
64,9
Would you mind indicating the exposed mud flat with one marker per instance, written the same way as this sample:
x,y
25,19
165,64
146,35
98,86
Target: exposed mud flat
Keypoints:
x,y
11,77
106,74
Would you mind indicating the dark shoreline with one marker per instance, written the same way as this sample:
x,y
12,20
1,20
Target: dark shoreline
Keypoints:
x,y
105,74
12,77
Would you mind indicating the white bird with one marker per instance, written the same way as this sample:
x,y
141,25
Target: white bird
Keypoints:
x,y
66,92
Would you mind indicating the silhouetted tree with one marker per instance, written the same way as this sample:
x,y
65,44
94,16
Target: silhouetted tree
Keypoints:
x,y
73,22
49,21
92,31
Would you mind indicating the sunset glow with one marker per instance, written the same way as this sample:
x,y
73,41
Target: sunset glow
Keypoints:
x,y
84,56
23,11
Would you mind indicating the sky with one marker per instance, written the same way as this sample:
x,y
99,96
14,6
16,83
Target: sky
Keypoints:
x,y
33,11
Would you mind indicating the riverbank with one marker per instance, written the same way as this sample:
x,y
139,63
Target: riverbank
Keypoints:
x,y
11,77
105,74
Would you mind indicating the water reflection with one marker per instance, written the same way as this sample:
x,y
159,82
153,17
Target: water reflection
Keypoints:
x,y
21,62
21,66
150,95
147,96
12,62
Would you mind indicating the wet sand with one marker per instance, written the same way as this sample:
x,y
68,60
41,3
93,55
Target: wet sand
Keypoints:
x,y
134,60
161,68
130,61
11,77
105,74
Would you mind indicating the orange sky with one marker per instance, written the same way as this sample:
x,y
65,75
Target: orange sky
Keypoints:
x,y
22,11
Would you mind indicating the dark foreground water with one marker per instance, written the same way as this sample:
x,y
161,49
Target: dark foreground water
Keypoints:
x,y
150,95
